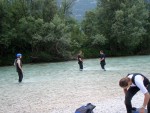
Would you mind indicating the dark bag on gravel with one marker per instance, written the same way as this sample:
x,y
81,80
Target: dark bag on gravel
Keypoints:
x,y
86,109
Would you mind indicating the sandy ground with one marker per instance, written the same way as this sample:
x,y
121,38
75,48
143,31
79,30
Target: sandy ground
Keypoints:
x,y
64,90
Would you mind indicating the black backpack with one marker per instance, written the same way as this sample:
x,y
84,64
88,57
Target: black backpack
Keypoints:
x,y
86,109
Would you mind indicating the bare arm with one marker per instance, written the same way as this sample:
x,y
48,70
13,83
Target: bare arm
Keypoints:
x,y
139,82
80,59
125,91
146,99
102,59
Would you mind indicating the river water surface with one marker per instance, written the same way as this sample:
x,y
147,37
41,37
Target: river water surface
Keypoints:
x,y
61,87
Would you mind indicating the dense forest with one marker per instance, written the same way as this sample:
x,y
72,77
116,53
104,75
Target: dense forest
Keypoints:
x,y
46,32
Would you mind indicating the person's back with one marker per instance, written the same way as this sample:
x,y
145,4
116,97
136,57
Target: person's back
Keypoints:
x,y
17,65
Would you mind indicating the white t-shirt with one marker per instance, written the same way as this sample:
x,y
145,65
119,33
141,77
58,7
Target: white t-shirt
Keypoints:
x,y
139,83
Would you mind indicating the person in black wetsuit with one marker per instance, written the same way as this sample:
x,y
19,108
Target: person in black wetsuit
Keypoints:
x,y
80,61
102,60
131,84
18,64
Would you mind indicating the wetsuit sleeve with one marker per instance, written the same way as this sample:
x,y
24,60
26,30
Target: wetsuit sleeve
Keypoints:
x,y
139,83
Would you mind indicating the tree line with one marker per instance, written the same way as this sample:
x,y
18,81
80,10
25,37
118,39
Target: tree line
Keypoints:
x,y
44,31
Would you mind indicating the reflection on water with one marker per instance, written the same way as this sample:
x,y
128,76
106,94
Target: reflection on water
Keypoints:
x,y
52,86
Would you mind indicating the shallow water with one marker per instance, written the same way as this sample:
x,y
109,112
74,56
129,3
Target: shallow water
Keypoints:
x,y
61,87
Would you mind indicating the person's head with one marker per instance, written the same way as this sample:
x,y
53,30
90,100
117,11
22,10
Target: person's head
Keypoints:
x,y
101,51
125,82
19,55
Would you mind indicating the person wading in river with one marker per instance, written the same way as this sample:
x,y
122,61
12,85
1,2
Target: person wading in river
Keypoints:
x,y
131,84
80,61
18,64
102,60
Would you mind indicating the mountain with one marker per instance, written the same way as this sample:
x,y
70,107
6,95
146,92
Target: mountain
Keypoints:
x,y
147,1
80,7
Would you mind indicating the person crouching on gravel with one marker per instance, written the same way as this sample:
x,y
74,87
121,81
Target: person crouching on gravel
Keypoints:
x,y
131,84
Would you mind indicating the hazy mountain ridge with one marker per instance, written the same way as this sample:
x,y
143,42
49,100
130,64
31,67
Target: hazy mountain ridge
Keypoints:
x,y
81,6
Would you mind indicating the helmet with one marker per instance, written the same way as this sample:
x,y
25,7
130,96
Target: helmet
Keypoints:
x,y
18,55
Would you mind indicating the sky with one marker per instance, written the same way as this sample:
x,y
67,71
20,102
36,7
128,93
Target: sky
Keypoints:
x,y
81,6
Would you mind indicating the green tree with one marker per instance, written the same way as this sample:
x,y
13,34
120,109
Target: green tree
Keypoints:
x,y
128,27
144,47
116,25
65,9
95,40
49,10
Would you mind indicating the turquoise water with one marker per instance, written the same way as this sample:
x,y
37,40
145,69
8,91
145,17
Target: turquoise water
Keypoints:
x,y
48,71
50,87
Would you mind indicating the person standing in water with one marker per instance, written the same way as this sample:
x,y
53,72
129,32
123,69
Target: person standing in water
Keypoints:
x,y
18,64
131,84
80,61
102,60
